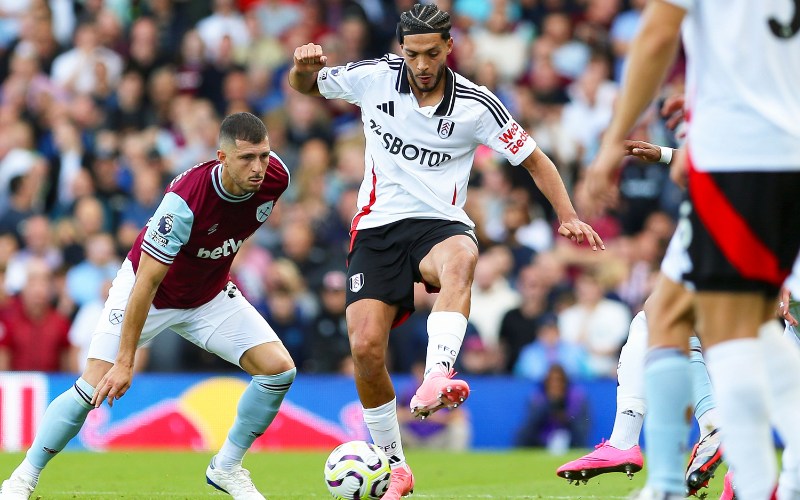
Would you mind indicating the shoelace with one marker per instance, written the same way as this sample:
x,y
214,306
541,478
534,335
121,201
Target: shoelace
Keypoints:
x,y
243,480
602,443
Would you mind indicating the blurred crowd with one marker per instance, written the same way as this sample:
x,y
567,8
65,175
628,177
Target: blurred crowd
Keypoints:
x,y
103,102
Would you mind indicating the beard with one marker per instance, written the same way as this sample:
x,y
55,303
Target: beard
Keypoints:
x,y
432,85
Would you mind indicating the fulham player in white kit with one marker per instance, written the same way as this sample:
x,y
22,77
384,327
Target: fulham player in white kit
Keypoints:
x,y
423,123
177,276
744,172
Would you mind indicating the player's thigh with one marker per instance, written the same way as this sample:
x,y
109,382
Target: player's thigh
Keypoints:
x,y
744,234
670,314
105,340
379,272
444,245
725,316
229,326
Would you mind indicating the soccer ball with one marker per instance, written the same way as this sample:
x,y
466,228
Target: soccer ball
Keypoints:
x,y
357,471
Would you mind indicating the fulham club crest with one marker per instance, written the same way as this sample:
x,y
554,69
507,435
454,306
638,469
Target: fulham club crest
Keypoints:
x,y
356,282
445,128
263,210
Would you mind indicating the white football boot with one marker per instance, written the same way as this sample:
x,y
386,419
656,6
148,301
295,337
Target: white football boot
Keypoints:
x,y
17,487
235,482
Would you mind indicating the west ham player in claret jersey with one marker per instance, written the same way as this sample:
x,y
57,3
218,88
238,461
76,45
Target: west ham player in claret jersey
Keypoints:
x,y
177,276
743,156
423,123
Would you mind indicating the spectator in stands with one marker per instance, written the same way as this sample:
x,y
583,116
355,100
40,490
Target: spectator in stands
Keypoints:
x,y
492,295
224,22
521,324
89,67
145,55
330,345
89,218
85,280
38,244
33,334
549,349
558,415
19,209
147,189
597,324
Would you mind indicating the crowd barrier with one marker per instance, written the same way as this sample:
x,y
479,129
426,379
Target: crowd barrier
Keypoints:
x,y
194,411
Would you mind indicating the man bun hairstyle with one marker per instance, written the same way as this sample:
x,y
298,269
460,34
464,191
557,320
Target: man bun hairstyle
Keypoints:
x,y
243,127
422,19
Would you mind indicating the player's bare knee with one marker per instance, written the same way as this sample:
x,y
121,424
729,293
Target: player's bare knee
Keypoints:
x,y
266,359
367,349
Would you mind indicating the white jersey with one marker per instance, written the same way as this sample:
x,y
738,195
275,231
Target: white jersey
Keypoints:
x,y
418,159
743,84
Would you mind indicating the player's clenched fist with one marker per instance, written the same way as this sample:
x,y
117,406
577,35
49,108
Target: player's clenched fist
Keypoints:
x,y
309,58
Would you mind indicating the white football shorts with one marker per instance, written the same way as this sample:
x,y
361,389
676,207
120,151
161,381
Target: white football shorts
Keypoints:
x,y
226,326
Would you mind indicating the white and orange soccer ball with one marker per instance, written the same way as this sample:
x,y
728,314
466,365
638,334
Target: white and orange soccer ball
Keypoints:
x,y
357,470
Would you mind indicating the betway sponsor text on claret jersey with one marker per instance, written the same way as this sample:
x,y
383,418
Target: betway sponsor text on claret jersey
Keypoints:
x,y
418,159
199,227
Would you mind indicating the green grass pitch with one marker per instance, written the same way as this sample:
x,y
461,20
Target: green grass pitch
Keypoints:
x,y
284,475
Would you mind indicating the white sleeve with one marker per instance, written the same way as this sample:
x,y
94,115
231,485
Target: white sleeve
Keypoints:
x,y
346,82
498,130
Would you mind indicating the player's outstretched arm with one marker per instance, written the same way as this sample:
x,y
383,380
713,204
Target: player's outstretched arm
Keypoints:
x,y
308,60
549,182
118,379
652,51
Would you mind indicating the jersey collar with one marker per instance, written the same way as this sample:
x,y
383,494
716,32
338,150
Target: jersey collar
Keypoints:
x,y
216,180
446,106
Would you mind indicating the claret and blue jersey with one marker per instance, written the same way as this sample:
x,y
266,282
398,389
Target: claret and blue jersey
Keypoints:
x,y
199,227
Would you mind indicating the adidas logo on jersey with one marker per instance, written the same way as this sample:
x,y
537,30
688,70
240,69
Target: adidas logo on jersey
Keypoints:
x,y
228,247
387,107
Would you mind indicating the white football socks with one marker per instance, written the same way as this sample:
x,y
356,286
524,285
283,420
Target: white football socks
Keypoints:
x,y
445,334
738,372
385,431
783,370
630,387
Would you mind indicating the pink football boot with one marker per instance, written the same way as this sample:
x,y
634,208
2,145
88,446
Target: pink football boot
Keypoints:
x,y
401,483
605,458
438,390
